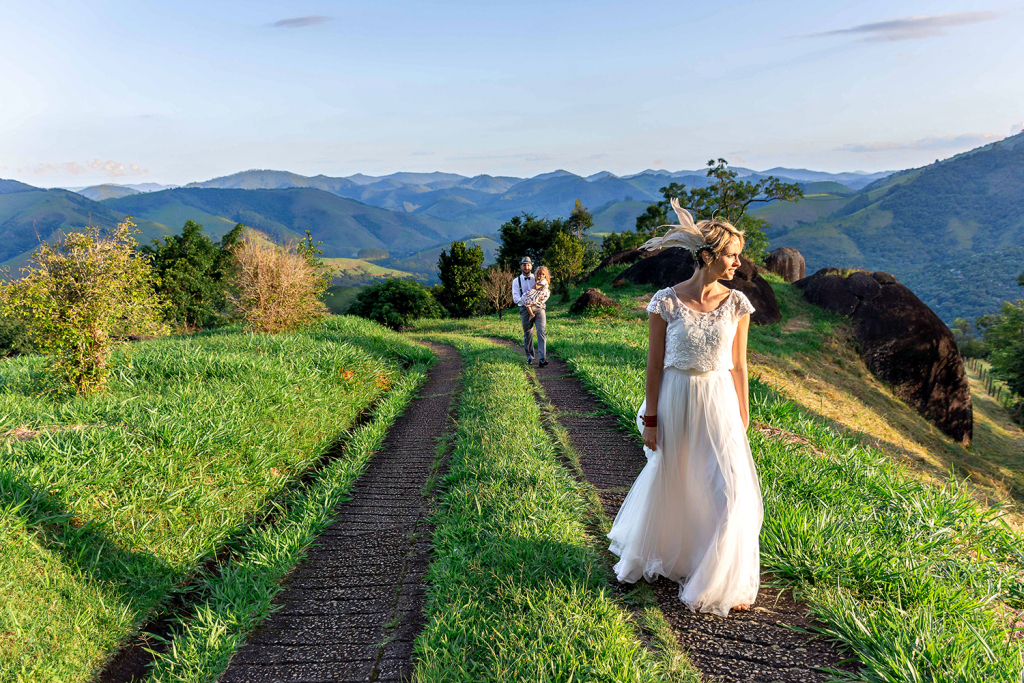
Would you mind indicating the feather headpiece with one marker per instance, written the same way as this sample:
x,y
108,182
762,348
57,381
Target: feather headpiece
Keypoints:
x,y
686,234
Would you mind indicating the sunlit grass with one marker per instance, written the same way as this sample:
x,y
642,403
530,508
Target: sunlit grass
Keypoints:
x,y
107,503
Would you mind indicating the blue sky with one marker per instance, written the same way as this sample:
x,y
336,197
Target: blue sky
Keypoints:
x,y
136,91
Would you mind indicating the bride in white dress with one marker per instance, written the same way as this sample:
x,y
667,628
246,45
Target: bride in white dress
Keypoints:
x,y
694,513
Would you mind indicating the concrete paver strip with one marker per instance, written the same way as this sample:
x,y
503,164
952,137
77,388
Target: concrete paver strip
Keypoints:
x,y
753,646
351,610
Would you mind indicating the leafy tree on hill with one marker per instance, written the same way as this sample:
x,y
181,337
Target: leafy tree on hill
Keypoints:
x,y
461,273
527,235
1004,337
728,198
395,303
579,221
193,274
312,252
565,259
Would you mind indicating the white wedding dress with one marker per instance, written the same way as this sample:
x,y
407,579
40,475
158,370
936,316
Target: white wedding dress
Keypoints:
x,y
694,513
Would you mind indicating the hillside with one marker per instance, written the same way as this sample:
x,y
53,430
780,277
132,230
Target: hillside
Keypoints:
x,y
98,193
29,215
952,231
345,226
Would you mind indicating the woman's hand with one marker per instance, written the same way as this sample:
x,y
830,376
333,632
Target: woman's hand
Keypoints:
x,y
651,437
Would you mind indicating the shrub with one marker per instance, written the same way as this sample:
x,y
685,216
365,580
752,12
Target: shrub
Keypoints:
x,y
395,303
194,274
14,339
78,297
278,288
497,286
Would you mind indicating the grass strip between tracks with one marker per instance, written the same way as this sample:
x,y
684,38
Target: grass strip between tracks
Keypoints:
x,y
516,590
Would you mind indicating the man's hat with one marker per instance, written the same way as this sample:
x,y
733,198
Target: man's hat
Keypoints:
x,y
526,259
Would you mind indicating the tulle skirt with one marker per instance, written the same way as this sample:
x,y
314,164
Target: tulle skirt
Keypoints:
x,y
694,513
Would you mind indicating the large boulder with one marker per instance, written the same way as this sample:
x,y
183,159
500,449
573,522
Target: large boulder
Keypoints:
x,y
787,263
674,265
592,299
902,342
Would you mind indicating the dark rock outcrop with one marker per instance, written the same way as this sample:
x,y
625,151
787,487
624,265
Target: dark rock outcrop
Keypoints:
x,y
624,257
592,299
902,342
787,263
674,265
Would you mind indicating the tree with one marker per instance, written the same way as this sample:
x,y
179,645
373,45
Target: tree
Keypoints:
x,y
579,220
395,303
312,252
565,260
460,272
1004,337
527,235
193,274
497,284
728,198
76,298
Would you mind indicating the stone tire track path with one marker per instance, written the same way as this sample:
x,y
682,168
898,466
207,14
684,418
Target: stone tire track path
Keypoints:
x,y
754,646
351,610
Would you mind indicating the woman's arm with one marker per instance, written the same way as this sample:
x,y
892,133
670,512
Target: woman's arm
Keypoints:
x,y
656,327
739,368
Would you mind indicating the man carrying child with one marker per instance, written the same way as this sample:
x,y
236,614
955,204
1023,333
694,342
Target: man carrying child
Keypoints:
x,y
531,293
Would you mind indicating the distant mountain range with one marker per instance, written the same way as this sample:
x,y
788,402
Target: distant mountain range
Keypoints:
x,y
952,230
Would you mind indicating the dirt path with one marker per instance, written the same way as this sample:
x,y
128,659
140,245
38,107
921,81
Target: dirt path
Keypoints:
x,y
753,646
351,610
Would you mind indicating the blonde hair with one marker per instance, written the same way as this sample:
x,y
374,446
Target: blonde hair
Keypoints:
x,y
718,234
542,271
712,236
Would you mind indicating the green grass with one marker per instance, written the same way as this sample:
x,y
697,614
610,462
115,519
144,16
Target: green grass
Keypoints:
x,y
113,501
517,592
919,581
236,596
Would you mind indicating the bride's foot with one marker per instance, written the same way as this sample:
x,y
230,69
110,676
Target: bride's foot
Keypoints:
x,y
742,608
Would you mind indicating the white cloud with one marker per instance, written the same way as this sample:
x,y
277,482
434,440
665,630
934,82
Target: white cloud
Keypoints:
x,y
912,28
965,141
301,22
1017,128
109,168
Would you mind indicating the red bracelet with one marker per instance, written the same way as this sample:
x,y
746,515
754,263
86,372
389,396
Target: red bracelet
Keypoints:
x,y
650,420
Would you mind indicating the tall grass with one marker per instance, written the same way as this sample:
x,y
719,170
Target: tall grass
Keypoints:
x,y
516,592
109,502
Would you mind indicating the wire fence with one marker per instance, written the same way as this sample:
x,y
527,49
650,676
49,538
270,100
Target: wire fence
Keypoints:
x,y
995,387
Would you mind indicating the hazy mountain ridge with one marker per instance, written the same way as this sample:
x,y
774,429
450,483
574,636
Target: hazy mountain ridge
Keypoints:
x,y
483,202
345,226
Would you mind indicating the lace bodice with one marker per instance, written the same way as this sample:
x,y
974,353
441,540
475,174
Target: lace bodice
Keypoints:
x,y
699,341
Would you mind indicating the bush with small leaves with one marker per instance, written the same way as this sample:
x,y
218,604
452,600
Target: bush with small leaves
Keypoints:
x,y
77,298
395,303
